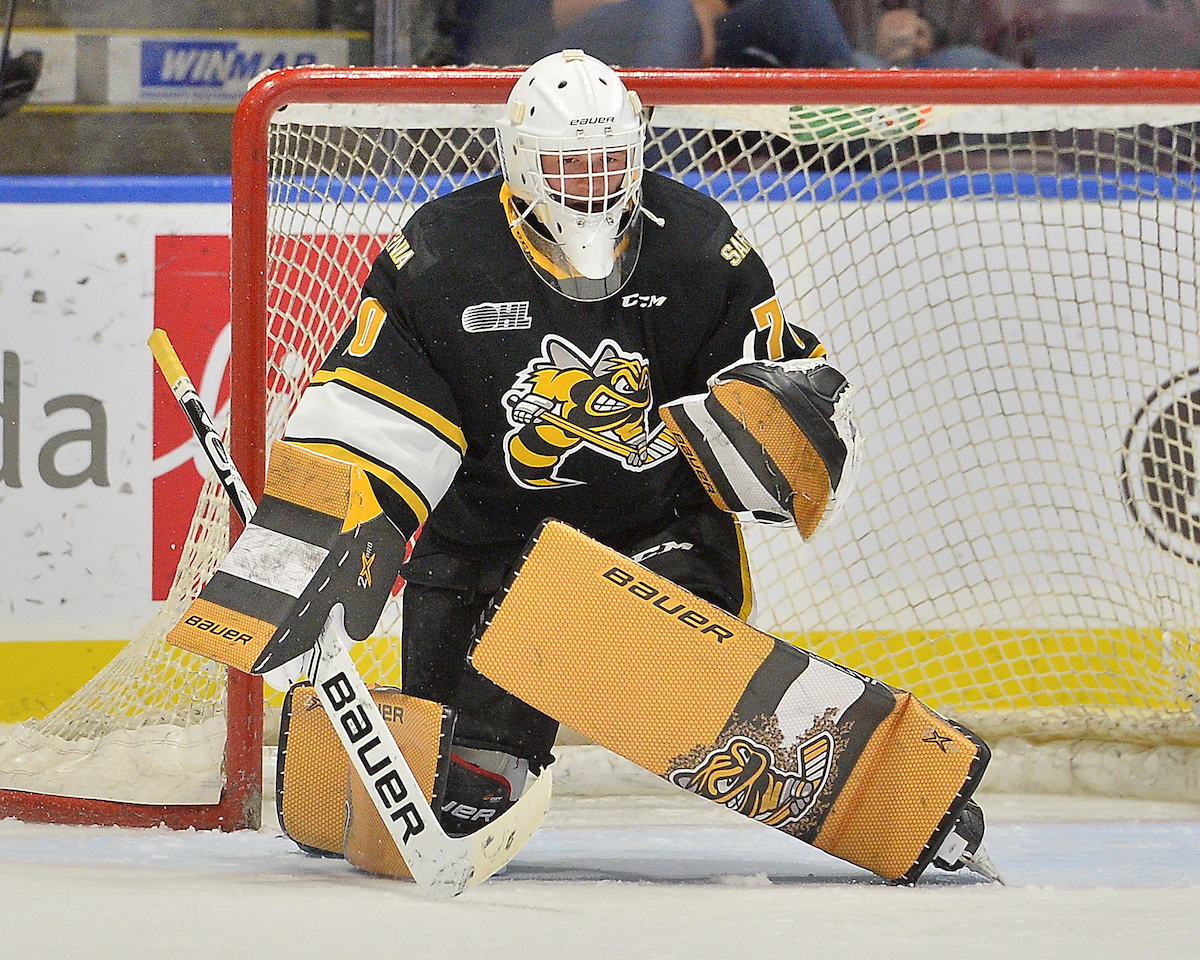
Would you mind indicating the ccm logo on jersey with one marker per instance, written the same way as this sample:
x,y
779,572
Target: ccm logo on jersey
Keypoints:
x,y
642,300
490,317
664,602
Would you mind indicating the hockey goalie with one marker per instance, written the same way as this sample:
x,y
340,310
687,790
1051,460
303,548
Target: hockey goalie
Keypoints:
x,y
584,340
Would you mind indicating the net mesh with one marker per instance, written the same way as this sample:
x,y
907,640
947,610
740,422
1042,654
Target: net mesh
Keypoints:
x,y
150,726
1013,292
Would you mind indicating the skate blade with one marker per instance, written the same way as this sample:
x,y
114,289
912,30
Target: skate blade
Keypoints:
x,y
979,862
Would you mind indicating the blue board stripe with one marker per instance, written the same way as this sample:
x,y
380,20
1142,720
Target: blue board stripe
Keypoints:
x,y
810,186
738,187
127,189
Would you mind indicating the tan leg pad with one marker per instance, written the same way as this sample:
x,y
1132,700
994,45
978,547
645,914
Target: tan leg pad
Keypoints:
x,y
322,804
422,730
693,694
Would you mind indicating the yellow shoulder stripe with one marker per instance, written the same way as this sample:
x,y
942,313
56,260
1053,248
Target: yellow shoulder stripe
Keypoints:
x,y
747,582
427,415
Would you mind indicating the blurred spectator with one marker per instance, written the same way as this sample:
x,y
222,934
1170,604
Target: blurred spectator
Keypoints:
x,y
502,32
808,34
904,38
18,76
780,33
628,33
632,33
1094,33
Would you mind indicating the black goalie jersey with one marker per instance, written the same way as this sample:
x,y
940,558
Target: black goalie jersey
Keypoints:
x,y
484,401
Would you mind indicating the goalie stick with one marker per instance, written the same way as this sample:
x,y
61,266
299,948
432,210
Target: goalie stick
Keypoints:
x,y
440,865
202,425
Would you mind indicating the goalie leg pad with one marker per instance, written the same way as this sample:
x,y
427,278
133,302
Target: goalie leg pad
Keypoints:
x,y
318,537
422,730
322,803
774,441
700,698
310,775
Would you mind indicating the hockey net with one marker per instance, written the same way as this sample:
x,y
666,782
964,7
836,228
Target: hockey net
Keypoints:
x,y
1004,264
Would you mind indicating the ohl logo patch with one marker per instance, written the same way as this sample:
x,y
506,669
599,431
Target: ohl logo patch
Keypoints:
x,y
565,401
742,776
1159,466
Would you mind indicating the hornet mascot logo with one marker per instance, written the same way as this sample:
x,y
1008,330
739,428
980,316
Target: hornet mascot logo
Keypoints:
x,y
565,401
742,776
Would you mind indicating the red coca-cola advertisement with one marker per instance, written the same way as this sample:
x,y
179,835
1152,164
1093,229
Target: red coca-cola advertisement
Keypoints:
x,y
191,303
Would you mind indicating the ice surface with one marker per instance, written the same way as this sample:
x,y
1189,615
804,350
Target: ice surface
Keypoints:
x,y
661,875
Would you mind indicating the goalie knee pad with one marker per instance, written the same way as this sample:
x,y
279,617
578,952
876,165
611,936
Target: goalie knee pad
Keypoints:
x,y
773,441
310,775
323,805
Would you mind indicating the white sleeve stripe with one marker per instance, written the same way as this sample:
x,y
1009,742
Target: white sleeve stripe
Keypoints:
x,y
274,560
745,485
403,445
395,400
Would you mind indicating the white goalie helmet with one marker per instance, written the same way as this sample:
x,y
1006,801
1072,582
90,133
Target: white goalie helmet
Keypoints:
x,y
571,150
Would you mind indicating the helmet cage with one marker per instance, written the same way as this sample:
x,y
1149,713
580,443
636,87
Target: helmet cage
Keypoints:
x,y
583,208
579,177
571,151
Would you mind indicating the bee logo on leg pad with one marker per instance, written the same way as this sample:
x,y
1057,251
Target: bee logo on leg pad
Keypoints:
x,y
743,776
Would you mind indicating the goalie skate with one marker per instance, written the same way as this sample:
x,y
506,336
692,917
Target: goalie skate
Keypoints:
x,y
963,847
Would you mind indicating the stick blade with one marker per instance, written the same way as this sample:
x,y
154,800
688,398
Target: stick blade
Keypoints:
x,y
442,866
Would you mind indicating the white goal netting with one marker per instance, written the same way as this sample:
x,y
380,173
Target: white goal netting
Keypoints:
x,y
1012,289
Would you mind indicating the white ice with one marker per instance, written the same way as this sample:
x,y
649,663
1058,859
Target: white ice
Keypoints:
x,y
644,875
